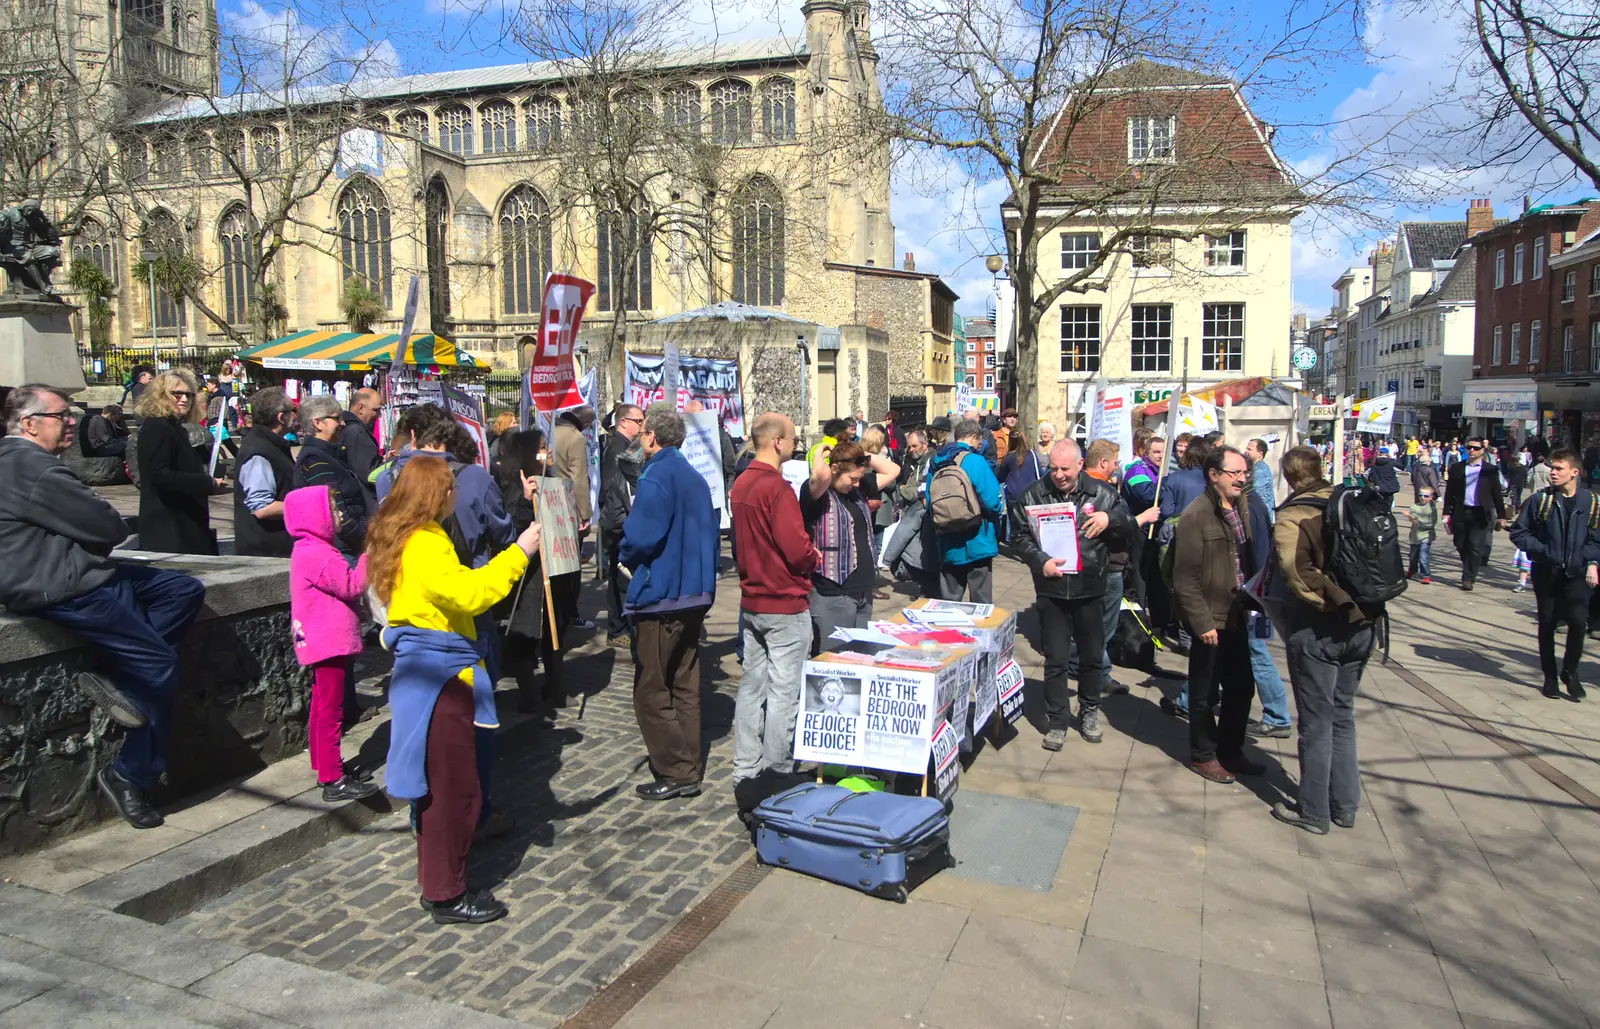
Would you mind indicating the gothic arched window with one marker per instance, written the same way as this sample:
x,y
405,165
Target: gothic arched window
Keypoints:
x,y
541,122
498,127
758,243
777,109
94,244
626,249
525,250
163,235
364,237
455,129
680,110
730,112
413,123
233,238
436,209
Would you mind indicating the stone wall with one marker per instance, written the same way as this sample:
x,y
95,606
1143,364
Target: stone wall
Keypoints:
x,y
241,704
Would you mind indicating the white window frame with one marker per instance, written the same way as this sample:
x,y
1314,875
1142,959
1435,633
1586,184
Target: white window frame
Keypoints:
x,y
1594,346
1517,254
1079,250
988,382
1535,341
1516,343
1085,357
1143,147
1538,258
1499,268
1568,337
1226,252
1150,253
1494,351
1149,350
1217,353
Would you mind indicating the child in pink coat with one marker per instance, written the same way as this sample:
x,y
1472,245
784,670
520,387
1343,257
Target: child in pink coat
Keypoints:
x,y
324,598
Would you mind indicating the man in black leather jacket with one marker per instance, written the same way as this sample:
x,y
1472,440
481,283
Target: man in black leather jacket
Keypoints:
x,y
618,473
1069,603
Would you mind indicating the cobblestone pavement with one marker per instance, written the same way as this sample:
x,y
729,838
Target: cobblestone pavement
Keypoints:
x,y
592,875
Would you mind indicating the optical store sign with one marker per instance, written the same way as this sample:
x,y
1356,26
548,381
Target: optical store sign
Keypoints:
x,y
1515,406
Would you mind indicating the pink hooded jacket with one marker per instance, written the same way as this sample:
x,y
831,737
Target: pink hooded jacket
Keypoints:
x,y
324,591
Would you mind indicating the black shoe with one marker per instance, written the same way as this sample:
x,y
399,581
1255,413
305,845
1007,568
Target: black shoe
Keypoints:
x,y
1169,707
357,771
129,800
1466,584
347,788
1242,765
1262,730
666,789
1344,819
117,705
1291,816
1113,688
1575,688
1551,689
473,907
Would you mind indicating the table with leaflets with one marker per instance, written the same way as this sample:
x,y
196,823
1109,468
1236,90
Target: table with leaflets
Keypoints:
x,y
910,693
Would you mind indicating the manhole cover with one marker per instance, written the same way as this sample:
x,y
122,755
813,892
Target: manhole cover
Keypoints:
x,y
1009,841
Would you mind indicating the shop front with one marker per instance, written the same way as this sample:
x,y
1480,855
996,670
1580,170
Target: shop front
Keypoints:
x,y
1569,413
1502,409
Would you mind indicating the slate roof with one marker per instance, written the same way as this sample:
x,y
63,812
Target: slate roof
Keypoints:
x,y
1460,283
1428,242
1143,74
465,80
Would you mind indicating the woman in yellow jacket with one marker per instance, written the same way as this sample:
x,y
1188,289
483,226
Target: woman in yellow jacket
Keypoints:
x,y
439,689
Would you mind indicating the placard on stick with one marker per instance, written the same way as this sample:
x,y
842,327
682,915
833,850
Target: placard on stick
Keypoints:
x,y
558,527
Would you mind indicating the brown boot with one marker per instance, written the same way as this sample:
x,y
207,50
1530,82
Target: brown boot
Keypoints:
x,y
1212,770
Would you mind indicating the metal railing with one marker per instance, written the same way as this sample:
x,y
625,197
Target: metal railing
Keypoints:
x,y
113,366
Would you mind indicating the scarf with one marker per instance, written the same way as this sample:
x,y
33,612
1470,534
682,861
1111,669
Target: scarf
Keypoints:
x,y
424,660
835,536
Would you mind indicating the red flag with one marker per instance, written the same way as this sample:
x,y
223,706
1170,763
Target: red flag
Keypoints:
x,y
551,383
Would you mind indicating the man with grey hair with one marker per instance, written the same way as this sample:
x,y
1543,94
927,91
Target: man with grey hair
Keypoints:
x,y
1069,595
266,471
669,546
56,539
360,445
966,554
323,461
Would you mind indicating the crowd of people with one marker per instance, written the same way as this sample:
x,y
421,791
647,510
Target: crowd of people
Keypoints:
x,y
433,549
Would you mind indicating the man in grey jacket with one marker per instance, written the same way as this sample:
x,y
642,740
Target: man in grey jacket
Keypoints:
x,y
56,539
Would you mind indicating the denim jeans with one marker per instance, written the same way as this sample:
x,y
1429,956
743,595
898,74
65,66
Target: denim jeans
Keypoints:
x,y
1110,610
775,650
1269,684
1326,660
1419,559
134,624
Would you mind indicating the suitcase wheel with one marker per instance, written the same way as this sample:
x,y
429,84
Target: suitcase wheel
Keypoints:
x,y
899,895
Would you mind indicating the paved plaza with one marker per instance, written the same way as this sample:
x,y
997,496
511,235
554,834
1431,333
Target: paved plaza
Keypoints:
x,y
1466,895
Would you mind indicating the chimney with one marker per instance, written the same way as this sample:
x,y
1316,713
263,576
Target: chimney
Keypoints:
x,y
911,262
1480,217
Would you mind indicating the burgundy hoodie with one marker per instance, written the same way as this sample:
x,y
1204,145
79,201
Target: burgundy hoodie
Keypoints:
x,y
776,558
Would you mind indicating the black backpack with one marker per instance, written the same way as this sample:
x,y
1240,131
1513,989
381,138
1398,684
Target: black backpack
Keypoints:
x,y
1361,544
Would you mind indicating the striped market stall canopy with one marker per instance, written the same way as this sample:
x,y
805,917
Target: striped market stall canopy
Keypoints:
x,y
320,351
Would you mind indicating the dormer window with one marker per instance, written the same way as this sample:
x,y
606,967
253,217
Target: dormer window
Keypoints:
x,y
1150,138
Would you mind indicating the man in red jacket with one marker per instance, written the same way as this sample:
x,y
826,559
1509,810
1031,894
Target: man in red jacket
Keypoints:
x,y
776,559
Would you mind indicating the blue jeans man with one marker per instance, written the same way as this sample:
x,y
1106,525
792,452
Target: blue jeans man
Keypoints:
x,y
134,623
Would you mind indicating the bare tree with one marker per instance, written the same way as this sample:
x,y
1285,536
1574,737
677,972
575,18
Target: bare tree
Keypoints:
x,y
1540,87
1014,91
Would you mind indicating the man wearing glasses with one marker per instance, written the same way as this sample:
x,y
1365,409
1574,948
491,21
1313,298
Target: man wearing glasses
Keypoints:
x,y
618,475
56,539
1212,560
323,462
1474,505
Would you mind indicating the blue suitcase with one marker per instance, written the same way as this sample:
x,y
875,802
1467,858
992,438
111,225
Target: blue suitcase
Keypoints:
x,y
872,842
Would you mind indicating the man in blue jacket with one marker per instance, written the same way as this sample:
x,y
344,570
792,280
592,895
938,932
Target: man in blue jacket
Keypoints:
x,y
669,545
966,558
1559,529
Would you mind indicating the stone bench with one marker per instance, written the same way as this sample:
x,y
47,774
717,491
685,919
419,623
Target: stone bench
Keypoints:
x,y
241,704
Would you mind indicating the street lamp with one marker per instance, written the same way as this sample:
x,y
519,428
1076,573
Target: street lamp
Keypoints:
x,y
149,257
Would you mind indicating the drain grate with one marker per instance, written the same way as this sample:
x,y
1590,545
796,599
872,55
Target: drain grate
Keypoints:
x,y
1009,841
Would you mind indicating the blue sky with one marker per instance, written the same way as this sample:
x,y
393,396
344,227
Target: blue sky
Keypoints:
x,y
1398,86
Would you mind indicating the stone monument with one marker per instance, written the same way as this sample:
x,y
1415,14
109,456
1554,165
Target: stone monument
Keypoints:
x,y
36,339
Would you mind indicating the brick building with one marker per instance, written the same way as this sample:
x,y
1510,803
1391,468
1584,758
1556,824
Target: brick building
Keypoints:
x,y
1536,354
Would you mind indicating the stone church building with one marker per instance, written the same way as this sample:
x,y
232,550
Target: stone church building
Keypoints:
x,y
758,184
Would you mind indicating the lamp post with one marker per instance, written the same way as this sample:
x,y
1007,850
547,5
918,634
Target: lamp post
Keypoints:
x,y
149,257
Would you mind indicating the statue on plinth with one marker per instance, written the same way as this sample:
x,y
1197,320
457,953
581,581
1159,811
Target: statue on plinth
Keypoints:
x,y
30,250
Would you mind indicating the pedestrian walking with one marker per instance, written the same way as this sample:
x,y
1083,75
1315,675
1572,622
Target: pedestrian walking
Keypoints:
x,y
1424,474
1473,509
669,545
967,547
1559,530
776,559
174,486
833,504
1330,639
1424,530
325,593
439,690
1211,562
1382,477
56,538
1070,604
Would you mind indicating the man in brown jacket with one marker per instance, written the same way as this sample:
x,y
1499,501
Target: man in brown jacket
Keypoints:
x,y
1330,638
570,460
1211,561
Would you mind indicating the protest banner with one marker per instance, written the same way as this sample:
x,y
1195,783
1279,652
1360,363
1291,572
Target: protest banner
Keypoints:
x,y
1197,415
1111,417
946,769
712,381
874,715
550,379
1009,681
558,526
466,411
702,448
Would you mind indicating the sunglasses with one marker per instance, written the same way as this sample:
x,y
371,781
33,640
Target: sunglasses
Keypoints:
x,y
1470,447
183,393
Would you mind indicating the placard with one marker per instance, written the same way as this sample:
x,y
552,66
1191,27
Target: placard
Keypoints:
x,y
973,610
558,526
986,690
702,448
466,411
712,381
551,384
1111,417
1009,681
856,714
1055,529
946,768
